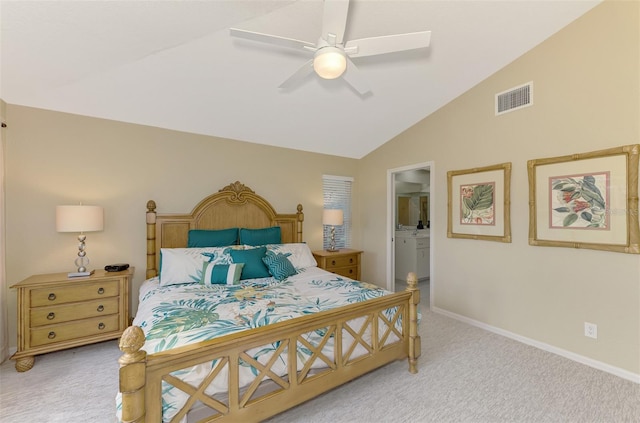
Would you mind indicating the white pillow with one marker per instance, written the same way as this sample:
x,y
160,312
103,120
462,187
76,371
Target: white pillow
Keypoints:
x,y
299,254
184,265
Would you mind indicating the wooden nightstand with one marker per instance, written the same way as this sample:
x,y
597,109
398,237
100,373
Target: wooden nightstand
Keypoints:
x,y
345,262
56,312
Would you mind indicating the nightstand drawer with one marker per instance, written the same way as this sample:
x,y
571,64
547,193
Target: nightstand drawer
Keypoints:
x,y
72,293
65,313
349,272
343,261
74,330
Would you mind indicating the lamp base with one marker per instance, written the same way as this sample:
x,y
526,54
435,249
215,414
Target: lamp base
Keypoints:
x,y
333,250
80,274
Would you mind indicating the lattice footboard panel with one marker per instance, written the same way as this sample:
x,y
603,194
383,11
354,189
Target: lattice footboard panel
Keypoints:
x,y
255,374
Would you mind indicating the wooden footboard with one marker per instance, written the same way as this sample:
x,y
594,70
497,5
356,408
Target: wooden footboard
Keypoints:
x,y
366,335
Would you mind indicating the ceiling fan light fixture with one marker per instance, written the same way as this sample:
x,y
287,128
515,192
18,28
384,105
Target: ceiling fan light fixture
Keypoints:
x,y
329,62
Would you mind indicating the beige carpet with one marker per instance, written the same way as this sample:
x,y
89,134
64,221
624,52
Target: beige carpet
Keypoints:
x,y
466,375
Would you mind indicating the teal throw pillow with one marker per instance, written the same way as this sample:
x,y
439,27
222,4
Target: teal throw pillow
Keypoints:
x,y
254,267
279,265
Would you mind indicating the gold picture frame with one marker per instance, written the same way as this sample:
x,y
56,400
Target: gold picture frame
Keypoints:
x,y
587,200
479,203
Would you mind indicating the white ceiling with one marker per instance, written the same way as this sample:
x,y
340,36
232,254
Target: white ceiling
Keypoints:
x,y
172,64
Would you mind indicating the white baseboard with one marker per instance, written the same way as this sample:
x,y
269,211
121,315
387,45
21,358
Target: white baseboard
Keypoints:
x,y
616,371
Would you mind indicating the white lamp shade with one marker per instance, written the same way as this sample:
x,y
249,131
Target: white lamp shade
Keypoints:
x,y
329,62
79,218
332,217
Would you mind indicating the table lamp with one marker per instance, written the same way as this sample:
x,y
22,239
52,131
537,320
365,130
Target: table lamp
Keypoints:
x,y
333,218
80,219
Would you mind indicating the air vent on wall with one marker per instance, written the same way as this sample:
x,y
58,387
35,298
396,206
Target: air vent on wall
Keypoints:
x,y
514,98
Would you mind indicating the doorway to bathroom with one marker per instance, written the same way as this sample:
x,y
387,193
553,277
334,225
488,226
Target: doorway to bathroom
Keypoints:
x,y
410,199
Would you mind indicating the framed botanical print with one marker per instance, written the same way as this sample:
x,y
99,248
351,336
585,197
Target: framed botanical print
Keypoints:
x,y
587,200
479,203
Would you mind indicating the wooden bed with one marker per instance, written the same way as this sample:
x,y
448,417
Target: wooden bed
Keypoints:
x,y
142,374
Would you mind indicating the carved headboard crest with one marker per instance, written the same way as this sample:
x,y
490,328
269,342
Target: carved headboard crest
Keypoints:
x,y
237,190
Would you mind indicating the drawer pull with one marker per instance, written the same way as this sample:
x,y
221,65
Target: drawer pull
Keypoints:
x,y
100,308
51,316
100,290
100,325
333,262
51,335
351,260
350,271
52,296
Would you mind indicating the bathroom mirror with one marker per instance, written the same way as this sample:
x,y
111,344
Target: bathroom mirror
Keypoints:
x,y
411,208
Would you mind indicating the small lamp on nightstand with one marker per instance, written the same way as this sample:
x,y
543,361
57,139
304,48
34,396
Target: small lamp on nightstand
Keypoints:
x,y
333,218
80,219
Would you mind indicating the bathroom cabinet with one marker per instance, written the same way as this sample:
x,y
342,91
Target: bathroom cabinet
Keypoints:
x,y
412,255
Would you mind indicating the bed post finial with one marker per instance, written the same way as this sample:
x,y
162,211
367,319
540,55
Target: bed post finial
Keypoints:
x,y
132,375
414,339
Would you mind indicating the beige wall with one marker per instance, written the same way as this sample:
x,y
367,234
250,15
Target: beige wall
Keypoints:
x,y
586,97
57,158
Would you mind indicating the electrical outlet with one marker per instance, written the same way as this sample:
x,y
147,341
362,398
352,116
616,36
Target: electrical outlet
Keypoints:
x,y
591,330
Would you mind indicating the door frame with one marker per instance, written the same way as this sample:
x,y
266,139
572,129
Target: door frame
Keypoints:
x,y
391,220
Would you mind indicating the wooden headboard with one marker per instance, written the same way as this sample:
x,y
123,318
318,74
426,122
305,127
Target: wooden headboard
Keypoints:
x,y
234,206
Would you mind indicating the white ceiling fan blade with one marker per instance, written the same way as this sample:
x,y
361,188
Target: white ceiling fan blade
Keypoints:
x,y
354,78
334,19
298,75
272,39
387,44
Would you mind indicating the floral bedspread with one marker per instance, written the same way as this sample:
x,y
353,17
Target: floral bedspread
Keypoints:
x,y
177,315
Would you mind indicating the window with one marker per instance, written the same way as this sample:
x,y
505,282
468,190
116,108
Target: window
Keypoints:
x,y
337,195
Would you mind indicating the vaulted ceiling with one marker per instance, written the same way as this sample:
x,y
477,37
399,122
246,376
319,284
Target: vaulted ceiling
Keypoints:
x,y
173,64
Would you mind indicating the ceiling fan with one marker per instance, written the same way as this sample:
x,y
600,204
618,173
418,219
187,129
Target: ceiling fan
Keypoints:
x,y
332,55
